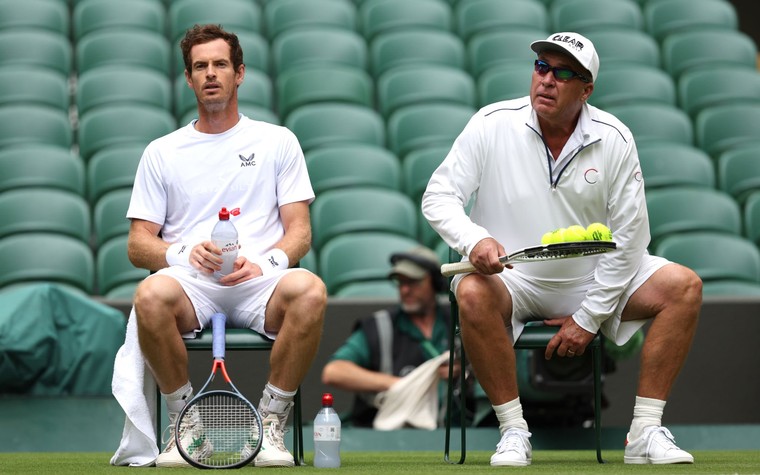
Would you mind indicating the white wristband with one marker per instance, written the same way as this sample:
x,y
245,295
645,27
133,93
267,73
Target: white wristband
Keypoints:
x,y
274,260
178,254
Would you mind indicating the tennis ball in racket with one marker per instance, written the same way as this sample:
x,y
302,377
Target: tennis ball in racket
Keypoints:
x,y
574,233
552,237
598,232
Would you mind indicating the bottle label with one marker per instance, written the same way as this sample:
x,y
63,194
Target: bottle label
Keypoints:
x,y
327,433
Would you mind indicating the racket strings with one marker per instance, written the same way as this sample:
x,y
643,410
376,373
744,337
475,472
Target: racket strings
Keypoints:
x,y
224,426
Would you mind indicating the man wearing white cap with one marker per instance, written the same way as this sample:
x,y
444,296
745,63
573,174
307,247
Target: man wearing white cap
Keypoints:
x,y
539,163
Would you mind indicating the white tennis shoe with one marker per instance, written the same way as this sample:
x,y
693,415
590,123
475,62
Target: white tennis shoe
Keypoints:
x,y
513,450
193,438
656,446
273,452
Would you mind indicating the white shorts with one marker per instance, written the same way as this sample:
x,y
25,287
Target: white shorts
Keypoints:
x,y
244,304
533,299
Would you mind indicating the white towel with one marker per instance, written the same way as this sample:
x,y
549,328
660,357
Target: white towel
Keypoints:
x,y
412,400
135,390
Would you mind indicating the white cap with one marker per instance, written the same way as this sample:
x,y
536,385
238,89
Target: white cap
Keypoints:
x,y
577,46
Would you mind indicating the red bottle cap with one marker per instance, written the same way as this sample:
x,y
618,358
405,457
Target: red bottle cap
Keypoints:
x,y
327,400
224,214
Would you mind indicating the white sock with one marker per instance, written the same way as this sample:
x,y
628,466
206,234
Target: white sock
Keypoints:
x,y
646,412
176,401
509,415
276,401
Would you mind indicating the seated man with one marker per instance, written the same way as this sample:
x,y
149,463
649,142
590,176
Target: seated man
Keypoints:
x,y
389,344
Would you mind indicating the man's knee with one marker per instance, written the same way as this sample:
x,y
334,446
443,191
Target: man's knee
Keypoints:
x,y
305,290
154,296
479,296
687,285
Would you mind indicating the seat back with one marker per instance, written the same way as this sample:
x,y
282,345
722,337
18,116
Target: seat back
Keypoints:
x,y
624,46
695,49
284,15
46,257
708,87
112,168
714,256
426,125
664,18
233,15
739,172
666,164
48,210
751,215
472,18
415,47
318,45
318,125
46,166
497,48
120,84
94,15
418,167
34,85
126,47
585,15
655,121
353,165
35,14
350,210
33,47
722,127
34,124
113,267
408,85
382,16
687,209
632,84
109,215
501,83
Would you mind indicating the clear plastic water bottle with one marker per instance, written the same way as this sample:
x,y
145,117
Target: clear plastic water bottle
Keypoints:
x,y
225,237
327,435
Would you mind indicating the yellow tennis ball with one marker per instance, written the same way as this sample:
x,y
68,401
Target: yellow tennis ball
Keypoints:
x,y
574,233
547,238
598,232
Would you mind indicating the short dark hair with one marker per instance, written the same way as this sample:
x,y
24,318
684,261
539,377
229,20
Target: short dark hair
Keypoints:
x,y
201,34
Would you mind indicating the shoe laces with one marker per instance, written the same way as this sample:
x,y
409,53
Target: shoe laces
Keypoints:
x,y
513,440
663,436
274,434
167,436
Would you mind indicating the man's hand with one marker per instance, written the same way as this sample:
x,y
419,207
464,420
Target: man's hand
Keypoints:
x,y
485,256
206,257
571,340
243,270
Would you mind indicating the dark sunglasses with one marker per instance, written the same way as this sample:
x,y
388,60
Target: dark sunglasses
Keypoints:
x,y
560,74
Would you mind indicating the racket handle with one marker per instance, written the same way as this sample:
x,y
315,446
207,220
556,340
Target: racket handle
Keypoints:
x,y
218,321
456,268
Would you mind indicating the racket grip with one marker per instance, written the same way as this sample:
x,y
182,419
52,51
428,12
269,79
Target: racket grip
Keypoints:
x,y
218,321
456,268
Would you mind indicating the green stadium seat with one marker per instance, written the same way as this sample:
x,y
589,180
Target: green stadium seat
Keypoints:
x,y
256,89
655,121
283,15
633,84
624,46
109,215
585,15
751,215
425,233
418,167
497,48
730,288
359,257
109,126
504,82
320,46
350,210
426,125
353,165
233,15
94,15
309,262
739,172
35,14
664,18
709,87
113,267
256,54
113,168
47,210
381,16
34,85
714,256
34,124
410,85
499,15
323,83
27,47
318,125
121,84
684,210
720,128
46,166
125,47
415,47
666,164
382,288
46,257
688,50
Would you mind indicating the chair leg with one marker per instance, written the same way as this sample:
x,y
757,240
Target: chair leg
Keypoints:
x,y
297,430
450,391
597,362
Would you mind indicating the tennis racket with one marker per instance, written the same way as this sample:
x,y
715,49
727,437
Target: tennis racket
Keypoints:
x,y
218,428
548,252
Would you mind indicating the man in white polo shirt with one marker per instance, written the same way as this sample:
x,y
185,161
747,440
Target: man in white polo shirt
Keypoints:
x,y
542,162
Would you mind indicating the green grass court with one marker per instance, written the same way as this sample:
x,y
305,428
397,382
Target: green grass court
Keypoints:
x,y
549,462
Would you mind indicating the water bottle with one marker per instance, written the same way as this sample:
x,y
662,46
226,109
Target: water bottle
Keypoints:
x,y
225,237
327,435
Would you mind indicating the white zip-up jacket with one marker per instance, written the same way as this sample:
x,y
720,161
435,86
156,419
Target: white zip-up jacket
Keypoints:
x,y
519,192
